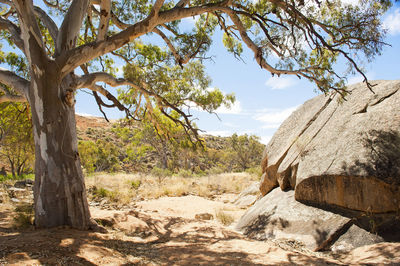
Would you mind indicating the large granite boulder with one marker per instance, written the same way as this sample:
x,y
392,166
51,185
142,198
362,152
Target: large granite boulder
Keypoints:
x,y
279,216
331,172
341,154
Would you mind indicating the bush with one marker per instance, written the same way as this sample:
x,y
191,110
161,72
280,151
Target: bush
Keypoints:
x,y
216,170
225,218
24,217
257,171
135,184
185,173
18,177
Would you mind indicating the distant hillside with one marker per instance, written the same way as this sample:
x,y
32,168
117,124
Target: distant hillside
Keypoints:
x,y
139,149
110,146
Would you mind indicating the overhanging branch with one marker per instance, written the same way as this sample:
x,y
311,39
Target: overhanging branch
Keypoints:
x,y
10,79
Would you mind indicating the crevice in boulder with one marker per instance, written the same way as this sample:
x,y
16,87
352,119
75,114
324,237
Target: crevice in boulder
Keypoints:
x,y
384,98
325,245
272,171
362,111
380,100
314,117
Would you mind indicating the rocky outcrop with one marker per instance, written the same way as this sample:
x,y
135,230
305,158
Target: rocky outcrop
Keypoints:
x,y
341,153
248,196
279,216
331,172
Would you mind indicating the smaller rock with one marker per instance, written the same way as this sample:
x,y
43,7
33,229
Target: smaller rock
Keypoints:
x,y
24,183
14,192
103,202
248,196
204,216
355,237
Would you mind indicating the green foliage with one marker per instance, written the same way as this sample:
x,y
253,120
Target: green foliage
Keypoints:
x,y
103,193
16,177
24,216
135,184
246,150
161,173
99,156
16,138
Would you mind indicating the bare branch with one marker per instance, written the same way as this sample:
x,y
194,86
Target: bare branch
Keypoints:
x,y
10,79
89,81
156,9
256,50
71,25
47,3
48,22
105,15
12,98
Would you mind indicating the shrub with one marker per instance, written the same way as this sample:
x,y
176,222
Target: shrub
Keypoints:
x,y
135,184
24,217
225,218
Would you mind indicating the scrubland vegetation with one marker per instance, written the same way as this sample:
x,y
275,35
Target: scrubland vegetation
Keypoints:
x,y
125,188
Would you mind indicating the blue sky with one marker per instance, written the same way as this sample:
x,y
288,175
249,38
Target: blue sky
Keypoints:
x,y
263,102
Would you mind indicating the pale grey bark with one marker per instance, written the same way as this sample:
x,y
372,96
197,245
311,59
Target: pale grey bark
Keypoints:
x,y
14,30
105,15
80,55
71,25
48,22
14,81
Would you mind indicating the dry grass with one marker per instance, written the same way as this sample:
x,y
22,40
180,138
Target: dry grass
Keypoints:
x,y
123,188
224,217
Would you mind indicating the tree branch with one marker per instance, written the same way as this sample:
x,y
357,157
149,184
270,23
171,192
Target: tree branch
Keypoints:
x,y
89,81
12,98
105,15
71,25
80,55
48,22
10,79
14,30
30,32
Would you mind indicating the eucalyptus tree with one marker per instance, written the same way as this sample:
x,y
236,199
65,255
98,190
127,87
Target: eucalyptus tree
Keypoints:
x,y
70,45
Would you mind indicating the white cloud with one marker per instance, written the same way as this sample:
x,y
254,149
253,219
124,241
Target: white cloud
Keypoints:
x,y
280,83
272,118
220,133
392,22
85,114
265,139
190,20
227,124
271,126
235,108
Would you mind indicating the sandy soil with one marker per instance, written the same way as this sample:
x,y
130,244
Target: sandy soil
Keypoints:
x,y
165,232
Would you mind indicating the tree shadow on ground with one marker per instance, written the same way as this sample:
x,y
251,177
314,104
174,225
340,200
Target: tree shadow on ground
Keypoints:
x,y
204,246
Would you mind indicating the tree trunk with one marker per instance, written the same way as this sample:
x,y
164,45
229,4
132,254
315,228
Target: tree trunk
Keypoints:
x,y
59,190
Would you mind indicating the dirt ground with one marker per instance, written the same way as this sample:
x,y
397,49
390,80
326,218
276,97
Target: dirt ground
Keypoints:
x,y
166,232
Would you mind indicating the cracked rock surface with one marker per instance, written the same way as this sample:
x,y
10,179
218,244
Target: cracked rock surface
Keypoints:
x,y
338,155
341,153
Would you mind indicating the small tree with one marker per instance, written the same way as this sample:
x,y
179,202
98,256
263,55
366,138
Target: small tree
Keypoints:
x,y
246,150
16,142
